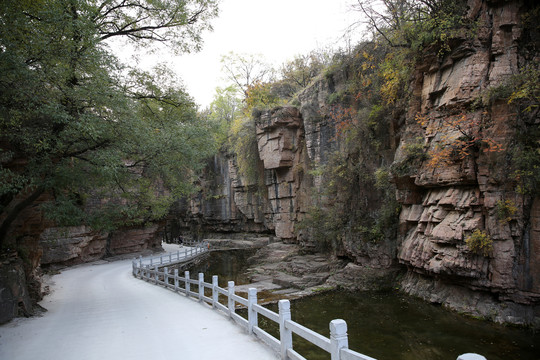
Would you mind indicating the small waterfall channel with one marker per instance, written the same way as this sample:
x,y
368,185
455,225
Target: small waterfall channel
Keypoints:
x,y
385,325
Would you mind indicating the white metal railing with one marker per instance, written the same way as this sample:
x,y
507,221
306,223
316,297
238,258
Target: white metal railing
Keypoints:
x,y
337,345
175,257
149,270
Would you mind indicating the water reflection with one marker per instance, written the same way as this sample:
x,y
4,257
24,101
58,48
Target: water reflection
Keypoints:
x,y
228,265
393,326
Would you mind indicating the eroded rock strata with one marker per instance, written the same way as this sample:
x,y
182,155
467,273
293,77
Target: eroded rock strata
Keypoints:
x,y
442,204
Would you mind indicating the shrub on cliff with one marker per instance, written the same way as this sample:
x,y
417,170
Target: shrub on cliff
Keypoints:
x,y
480,243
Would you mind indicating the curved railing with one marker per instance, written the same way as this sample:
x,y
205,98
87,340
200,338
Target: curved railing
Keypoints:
x,y
336,345
176,257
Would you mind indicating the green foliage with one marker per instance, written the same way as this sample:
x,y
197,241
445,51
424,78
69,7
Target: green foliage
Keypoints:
x,y
260,96
505,210
224,109
526,161
382,179
395,72
337,217
403,32
416,24
324,226
526,88
480,243
493,94
243,142
299,72
79,125
522,89
337,97
413,155
415,151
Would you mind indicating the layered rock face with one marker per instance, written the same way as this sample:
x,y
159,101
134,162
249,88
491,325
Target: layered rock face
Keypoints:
x,y
33,242
14,297
228,205
66,246
444,204
280,139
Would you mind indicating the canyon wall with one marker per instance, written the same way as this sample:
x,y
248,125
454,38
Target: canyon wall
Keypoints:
x,y
444,204
376,199
35,243
228,205
441,204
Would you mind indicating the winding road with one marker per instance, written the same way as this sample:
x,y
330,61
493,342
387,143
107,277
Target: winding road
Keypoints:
x,y
102,312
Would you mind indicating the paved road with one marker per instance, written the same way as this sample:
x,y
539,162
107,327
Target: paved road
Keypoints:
x,y
103,312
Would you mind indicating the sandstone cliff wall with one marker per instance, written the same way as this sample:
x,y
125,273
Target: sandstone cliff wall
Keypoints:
x,y
228,205
441,205
445,204
34,243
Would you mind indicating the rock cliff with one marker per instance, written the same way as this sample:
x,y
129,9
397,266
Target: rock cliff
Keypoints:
x,y
35,243
442,203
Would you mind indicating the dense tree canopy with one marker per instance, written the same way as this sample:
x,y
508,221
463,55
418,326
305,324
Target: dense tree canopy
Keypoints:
x,y
77,124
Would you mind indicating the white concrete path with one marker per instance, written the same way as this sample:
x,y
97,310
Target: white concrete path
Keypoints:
x,y
102,312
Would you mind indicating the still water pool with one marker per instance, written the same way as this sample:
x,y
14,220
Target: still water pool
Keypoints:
x,y
393,326
387,325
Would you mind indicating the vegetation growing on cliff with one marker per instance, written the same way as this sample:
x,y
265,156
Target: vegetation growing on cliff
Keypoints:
x,y
526,150
365,113
256,86
480,243
78,125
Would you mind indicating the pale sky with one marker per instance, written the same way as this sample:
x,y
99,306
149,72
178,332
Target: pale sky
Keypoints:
x,y
277,29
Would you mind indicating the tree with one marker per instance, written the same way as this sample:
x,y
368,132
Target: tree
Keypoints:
x,y
75,123
296,74
413,24
225,107
179,23
244,71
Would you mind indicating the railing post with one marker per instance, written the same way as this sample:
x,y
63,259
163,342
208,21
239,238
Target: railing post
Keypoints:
x,y
134,267
201,286
215,294
176,280
140,266
178,255
338,338
156,271
147,267
186,275
166,276
230,292
252,314
285,335
151,261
